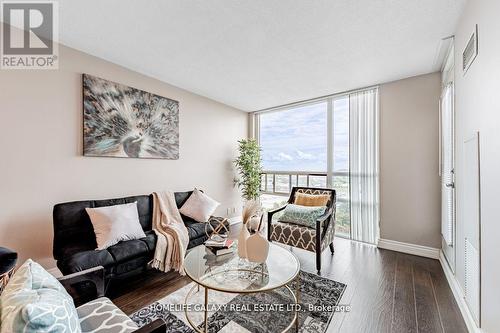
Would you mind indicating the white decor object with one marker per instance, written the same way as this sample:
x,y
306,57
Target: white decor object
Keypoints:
x,y
199,206
252,207
242,242
113,224
257,247
253,224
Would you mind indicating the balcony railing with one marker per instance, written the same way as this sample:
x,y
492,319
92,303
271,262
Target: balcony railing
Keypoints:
x,y
281,182
276,187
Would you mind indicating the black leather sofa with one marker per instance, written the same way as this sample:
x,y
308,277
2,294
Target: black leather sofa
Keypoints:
x,y
74,245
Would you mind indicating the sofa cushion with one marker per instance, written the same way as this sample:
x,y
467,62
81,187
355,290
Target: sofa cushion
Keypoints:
x,y
34,301
84,260
102,316
131,267
150,240
195,229
197,241
128,250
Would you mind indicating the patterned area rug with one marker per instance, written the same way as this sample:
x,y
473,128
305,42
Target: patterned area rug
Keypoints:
x,y
259,312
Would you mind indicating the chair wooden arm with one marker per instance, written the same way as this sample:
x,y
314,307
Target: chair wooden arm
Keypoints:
x,y
94,275
323,223
324,217
270,219
155,326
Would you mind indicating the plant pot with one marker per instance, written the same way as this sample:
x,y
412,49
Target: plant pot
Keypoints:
x,y
257,248
242,241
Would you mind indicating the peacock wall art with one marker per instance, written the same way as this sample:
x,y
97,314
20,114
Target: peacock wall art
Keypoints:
x,y
120,121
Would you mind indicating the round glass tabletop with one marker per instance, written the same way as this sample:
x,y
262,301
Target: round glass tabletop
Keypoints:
x,y
229,273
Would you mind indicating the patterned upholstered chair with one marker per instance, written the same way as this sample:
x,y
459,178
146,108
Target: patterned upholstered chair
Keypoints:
x,y
101,315
310,239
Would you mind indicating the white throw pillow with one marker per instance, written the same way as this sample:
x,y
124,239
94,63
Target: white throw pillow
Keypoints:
x,y
199,206
113,224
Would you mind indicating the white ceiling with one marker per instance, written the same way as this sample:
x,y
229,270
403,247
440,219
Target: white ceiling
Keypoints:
x,y
256,54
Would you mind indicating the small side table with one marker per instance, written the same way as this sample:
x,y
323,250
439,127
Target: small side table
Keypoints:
x,y
8,260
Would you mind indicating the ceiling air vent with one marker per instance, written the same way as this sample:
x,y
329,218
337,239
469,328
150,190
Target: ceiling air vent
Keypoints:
x,y
470,52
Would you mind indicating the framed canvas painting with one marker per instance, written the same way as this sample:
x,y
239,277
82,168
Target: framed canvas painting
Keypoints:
x,y
120,121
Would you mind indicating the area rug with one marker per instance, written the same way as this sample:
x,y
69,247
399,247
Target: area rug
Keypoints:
x,y
259,312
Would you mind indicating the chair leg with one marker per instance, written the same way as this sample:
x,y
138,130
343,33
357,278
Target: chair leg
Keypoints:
x,y
318,261
332,249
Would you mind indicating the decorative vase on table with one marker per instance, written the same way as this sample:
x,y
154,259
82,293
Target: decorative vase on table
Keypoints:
x,y
257,246
251,209
242,242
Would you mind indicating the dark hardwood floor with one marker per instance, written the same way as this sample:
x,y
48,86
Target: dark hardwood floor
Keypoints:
x,y
387,291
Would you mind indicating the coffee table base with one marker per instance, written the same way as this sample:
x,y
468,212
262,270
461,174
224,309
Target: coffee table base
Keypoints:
x,y
296,297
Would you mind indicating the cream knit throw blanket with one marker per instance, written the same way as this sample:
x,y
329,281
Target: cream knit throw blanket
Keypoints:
x,y
173,239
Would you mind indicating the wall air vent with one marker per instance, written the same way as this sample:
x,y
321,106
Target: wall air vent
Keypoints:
x,y
470,52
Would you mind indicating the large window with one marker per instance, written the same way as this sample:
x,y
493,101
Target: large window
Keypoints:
x,y
340,174
307,145
295,139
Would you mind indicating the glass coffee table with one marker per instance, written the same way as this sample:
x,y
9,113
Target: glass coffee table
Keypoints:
x,y
230,274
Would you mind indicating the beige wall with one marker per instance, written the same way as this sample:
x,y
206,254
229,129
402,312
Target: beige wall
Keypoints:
x,y
477,109
41,161
410,194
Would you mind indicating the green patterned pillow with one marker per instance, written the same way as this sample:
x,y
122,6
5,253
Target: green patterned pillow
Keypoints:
x,y
34,301
302,215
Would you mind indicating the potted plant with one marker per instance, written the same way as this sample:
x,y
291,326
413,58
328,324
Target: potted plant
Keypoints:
x,y
249,168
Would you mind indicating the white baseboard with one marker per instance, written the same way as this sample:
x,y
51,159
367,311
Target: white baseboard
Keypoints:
x,y
418,250
459,296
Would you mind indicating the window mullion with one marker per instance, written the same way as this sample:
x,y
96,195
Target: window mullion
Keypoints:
x,y
329,144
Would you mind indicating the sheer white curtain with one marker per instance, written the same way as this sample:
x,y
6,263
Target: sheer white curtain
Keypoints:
x,y
447,177
364,165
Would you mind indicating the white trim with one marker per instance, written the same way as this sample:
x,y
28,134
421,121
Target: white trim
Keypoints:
x,y
459,295
312,100
55,271
418,250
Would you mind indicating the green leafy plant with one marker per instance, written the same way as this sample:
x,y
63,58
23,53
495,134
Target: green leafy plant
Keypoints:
x,y
249,168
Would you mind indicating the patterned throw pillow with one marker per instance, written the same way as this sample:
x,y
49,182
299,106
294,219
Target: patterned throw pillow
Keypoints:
x,y
34,301
316,200
302,215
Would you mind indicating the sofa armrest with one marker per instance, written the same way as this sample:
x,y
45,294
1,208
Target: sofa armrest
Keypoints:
x,y
94,275
155,326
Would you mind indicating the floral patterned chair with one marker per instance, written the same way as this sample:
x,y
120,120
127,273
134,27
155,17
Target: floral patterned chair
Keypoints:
x,y
310,239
